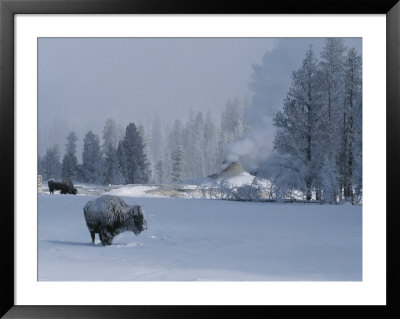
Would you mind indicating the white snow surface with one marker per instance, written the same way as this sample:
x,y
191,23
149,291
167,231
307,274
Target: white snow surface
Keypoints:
x,y
202,240
133,191
240,179
243,178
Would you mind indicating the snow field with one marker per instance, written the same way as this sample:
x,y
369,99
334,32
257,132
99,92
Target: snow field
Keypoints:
x,y
203,240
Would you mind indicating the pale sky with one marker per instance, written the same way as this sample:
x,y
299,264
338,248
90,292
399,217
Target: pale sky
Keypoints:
x,y
83,81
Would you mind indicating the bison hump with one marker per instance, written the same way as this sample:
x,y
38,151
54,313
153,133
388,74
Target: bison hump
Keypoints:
x,y
111,207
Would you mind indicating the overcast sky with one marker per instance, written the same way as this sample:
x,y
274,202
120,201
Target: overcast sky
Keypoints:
x,y
83,81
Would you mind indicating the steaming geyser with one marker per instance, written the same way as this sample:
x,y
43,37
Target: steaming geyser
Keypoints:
x,y
232,169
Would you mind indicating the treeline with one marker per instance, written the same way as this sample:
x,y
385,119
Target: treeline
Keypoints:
x,y
318,137
317,143
117,160
197,147
167,152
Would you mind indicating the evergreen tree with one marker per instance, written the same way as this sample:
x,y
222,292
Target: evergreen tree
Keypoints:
x,y
174,139
92,164
135,166
198,143
232,121
177,164
112,174
189,145
332,61
301,126
210,146
159,172
350,158
166,154
331,65
69,164
147,166
122,161
319,131
110,134
51,166
156,140
80,173
40,165
221,147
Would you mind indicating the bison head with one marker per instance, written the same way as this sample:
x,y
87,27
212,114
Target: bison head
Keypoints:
x,y
139,223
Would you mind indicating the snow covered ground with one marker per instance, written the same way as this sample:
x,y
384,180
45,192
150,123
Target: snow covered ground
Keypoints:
x,y
201,240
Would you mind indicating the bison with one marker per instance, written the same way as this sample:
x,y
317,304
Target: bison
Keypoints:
x,y
65,186
110,215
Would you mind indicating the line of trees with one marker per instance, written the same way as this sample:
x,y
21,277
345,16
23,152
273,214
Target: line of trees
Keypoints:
x,y
118,160
194,148
318,142
167,153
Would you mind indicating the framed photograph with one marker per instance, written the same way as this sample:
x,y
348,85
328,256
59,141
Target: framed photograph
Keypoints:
x,y
166,155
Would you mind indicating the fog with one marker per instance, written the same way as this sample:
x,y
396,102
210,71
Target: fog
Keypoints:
x,y
274,72
84,81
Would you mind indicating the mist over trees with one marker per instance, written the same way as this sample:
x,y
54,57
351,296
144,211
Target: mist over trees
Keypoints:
x,y
167,152
317,137
196,147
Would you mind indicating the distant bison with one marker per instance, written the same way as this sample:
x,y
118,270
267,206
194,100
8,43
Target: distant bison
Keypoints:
x,y
110,215
65,186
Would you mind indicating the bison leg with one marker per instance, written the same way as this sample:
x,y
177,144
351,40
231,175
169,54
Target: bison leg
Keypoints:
x,y
101,237
92,233
108,240
105,238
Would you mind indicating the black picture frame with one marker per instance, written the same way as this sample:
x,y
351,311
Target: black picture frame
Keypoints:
x,y
8,8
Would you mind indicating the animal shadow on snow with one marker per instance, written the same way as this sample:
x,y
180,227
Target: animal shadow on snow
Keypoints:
x,y
97,244
71,243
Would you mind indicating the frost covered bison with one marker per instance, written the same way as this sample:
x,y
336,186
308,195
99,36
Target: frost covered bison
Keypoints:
x,y
110,215
65,186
